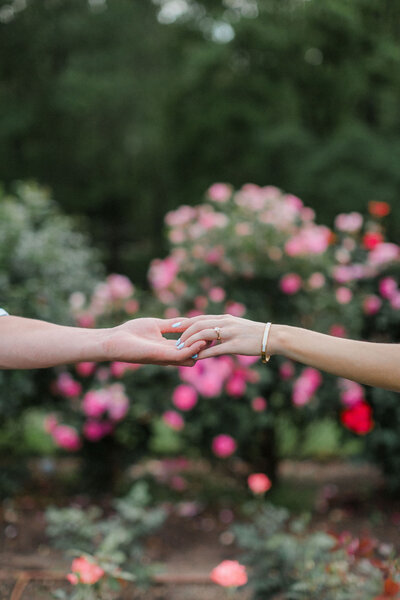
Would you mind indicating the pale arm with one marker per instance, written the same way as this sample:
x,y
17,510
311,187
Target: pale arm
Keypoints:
x,y
30,344
369,363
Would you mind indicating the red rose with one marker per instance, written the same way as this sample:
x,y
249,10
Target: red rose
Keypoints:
x,y
358,418
372,239
379,209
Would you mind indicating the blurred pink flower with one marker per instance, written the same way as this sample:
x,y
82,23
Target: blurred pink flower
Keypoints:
x,y
247,361
94,431
85,369
173,420
184,397
316,281
229,573
259,483
118,402
338,330
349,222
219,192
200,302
372,304
66,437
214,255
259,404
84,571
131,306
387,287
286,370
86,320
343,295
236,385
95,403
50,423
384,253
305,386
290,283
163,272
181,216
352,393
216,294
395,301
67,386
119,286
223,445
236,309
178,483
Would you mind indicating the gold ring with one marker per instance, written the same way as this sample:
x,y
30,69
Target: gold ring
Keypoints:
x,y
218,331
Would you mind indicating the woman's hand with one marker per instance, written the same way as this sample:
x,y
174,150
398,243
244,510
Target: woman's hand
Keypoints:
x,y
238,336
142,341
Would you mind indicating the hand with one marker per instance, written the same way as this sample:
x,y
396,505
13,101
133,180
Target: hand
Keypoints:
x,y
238,336
142,341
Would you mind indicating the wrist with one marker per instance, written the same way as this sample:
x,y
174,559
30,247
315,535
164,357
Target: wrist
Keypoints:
x,y
277,339
98,346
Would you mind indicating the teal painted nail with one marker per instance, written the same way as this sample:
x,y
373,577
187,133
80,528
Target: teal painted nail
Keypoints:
x,y
181,346
195,355
178,342
177,324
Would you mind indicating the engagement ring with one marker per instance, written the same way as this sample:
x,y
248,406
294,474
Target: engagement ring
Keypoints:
x,y
218,332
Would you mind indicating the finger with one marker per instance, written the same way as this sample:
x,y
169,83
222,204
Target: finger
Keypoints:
x,y
200,326
216,350
209,335
176,325
183,354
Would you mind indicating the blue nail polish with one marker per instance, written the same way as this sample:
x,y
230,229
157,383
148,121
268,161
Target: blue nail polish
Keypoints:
x,y
181,346
178,342
195,355
177,324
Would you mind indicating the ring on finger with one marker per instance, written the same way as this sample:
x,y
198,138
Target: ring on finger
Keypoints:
x,y
218,332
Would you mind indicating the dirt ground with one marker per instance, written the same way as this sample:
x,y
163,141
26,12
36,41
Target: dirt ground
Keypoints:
x,y
345,497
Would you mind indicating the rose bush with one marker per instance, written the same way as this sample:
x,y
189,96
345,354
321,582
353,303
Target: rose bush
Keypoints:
x,y
260,253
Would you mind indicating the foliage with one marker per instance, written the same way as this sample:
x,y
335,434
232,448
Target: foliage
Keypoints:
x,y
286,558
113,542
302,95
44,258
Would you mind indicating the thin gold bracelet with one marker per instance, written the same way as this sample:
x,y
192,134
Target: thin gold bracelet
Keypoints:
x,y
264,356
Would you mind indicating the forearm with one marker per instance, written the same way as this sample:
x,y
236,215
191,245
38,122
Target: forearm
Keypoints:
x,y
369,363
31,344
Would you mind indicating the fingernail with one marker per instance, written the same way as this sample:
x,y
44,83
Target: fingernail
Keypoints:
x,y
195,355
181,346
178,342
177,324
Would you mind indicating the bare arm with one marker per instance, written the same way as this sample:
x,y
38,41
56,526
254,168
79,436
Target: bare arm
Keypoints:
x,y
30,344
369,363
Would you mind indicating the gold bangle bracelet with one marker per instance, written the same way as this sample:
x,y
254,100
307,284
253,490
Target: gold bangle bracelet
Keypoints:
x,y
264,356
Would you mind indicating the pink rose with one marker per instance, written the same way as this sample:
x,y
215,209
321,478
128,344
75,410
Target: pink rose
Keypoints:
x,y
131,307
66,437
85,571
343,295
372,304
50,423
223,445
350,222
216,294
95,403
259,483
93,431
352,392
85,369
290,283
338,330
173,420
67,386
384,253
286,370
119,286
395,301
229,573
118,402
387,287
163,272
236,309
316,281
306,386
236,385
259,404
184,397
219,192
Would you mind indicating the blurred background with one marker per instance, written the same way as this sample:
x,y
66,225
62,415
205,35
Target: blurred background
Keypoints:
x,y
127,109
166,157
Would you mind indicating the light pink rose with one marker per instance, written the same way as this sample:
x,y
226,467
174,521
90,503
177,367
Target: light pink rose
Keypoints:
x,y
229,573
66,437
259,483
184,397
223,445
216,294
338,330
219,192
349,222
236,309
214,255
387,287
120,287
50,423
286,370
344,295
290,283
201,302
67,386
131,306
85,369
181,216
173,420
95,403
118,402
236,385
372,304
316,281
352,393
306,386
384,253
395,301
259,404
85,571
163,272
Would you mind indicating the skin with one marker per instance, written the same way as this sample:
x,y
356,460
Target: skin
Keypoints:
x,y
368,363
33,344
